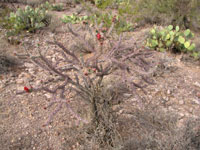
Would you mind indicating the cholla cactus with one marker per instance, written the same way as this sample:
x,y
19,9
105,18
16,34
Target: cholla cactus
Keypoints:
x,y
85,78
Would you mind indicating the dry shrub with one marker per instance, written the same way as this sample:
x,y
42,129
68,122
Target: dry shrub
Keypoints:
x,y
184,13
156,129
7,64
85,79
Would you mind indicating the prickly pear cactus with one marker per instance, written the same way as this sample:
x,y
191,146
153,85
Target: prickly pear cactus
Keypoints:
x,y
171,38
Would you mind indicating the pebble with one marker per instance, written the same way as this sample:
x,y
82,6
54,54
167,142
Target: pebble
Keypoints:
x,y
127,95
29,65
53,59
48,95
1,86
31,71
166,98
181,114
191,110
168,92
196,101
197,84
181,102
121,111
20,81
38,82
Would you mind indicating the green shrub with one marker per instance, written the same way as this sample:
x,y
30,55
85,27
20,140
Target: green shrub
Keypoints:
x,y
46,6
54,7
184,13
57,7
171,39
126,7
77,1
98,18
73,19
4,22
103,4
121,25
29,19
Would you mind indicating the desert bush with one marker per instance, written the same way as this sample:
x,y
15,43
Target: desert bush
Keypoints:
x,y
4,22
171,39
10,1
85,79
184,13
107,20
74,19
153,128
54,7
57,7
29,20
46,6
119,21
7,64
7,26
77,1
103,4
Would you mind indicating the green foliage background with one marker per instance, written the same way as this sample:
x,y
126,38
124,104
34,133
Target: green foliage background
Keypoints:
x,y
185,13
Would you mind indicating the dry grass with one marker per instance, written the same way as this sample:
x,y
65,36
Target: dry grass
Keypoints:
x,y
155,129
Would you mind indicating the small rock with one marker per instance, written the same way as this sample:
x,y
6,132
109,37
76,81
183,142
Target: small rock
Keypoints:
x,y
168,92
48,95
1,86
29,65
196,101
181,102
166,98
20,88
197,84
53,59
20,81
31,71
181,114
127,95
38,82
121,111
191,110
